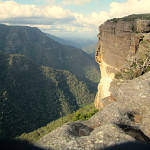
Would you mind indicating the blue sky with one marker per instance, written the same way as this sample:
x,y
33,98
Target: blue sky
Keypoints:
x,y
68,18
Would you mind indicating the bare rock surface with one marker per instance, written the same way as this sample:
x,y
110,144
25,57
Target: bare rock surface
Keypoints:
x,y
63,139
120,44
127,119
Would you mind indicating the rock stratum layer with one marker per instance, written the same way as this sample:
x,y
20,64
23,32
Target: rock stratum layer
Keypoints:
x,y
118,44
122,47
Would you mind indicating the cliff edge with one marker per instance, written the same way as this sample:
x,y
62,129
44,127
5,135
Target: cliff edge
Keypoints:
x,y
118,48
123,53
127,119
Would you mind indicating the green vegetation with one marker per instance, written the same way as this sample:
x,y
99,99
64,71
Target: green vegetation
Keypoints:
x,y
32,96
44,51
132,17
140,65
128,74
134,71
145,43
118,75
90,49
73,90
32,93
82,114
136,16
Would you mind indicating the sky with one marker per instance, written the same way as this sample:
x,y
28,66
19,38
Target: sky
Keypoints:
x,y
68,18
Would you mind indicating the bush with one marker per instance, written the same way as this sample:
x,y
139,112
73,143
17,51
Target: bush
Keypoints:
x,y
118,75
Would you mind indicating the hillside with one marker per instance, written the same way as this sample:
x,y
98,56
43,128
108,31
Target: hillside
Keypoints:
x,y
62,41
44,51
90,49
84,113
75,42
31,96
88,46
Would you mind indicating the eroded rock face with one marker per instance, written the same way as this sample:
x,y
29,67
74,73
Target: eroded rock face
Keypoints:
x,y
118,43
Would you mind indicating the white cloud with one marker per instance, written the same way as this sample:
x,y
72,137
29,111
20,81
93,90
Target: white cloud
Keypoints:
x,y
99,18
11,9
75,2
55,12
93,20
49,2
40,26
130,7
44,27
55,18
116,10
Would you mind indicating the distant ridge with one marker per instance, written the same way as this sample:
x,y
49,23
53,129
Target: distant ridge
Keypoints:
x,y
87,45
43,50
62,41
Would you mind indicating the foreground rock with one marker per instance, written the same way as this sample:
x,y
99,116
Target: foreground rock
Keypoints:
x,y
127,119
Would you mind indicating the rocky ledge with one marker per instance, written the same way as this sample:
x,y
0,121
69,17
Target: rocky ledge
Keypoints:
x,y
121,45
127,119
124,101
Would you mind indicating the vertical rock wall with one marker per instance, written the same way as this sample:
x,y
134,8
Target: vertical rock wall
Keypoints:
x,y
118,42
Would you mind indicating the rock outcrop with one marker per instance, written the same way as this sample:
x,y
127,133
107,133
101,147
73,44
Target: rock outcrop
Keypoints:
x,y
127,119
118,44
124,104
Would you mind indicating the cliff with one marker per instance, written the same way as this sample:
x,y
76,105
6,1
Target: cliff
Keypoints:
x,y
123,53
118,47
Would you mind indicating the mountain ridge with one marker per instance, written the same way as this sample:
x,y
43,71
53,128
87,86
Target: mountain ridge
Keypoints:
x,y
44,51
31,92
86,45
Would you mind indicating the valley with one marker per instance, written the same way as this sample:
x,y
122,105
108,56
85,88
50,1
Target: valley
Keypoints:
x,y
41,80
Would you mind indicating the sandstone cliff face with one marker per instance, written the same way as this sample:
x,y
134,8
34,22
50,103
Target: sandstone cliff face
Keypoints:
x,y
118,43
